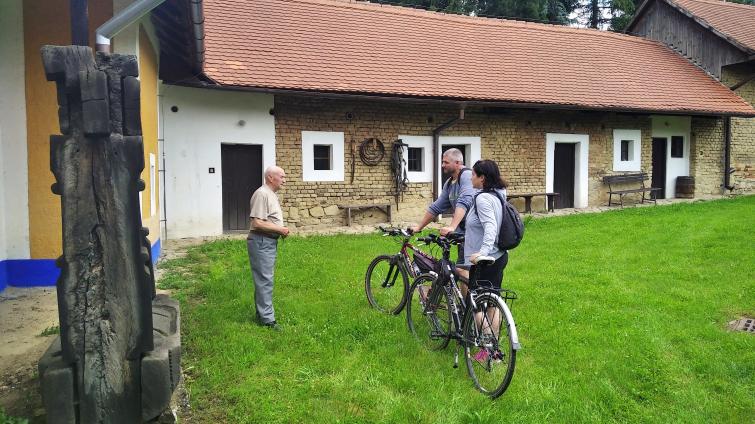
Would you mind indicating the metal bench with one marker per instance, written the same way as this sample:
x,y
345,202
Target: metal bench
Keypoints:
x,y
550,197
624,179
385,207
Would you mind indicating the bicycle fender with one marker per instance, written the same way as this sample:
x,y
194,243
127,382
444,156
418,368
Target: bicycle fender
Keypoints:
x,y
510,318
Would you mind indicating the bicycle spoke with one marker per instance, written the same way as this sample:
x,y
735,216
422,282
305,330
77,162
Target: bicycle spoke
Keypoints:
x,y
490,355
386,285
429,322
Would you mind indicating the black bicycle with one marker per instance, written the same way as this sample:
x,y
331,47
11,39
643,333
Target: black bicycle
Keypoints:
x,y
486,329
387,280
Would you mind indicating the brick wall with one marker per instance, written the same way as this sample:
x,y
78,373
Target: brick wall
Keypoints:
x,y
515,139
742,132
707,155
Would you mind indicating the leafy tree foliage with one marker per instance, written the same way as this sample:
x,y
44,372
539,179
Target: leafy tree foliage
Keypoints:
x,y
552,11
613,15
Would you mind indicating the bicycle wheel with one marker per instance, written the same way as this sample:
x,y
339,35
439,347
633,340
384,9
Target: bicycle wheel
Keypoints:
x,y
386,284
488,345
428,314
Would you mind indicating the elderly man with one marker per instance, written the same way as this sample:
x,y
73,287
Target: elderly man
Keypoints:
x,y
457,194
266,226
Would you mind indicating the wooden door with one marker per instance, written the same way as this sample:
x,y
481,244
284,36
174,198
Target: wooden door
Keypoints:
x,y
563,174
659,166
242,175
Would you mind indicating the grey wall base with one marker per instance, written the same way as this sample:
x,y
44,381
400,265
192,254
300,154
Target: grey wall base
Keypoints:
x,y
160,369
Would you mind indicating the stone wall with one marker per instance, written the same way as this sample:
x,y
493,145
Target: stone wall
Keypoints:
x,y
515,139
707,155
742,132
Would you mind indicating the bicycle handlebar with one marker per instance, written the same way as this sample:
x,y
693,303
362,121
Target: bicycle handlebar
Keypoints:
x,y
443,241
404,232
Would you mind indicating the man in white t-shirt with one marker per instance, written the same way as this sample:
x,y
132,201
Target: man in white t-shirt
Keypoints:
x,y
266,226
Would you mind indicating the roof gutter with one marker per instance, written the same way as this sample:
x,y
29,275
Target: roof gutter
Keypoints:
x,y
124,18
436,147
466,103
197,24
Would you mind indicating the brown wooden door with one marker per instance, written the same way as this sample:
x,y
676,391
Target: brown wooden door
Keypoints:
x,y
659,167
242,175
563,174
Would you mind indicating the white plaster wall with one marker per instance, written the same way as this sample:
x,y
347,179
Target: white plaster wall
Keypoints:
x,y
14,196
667,126
191,142
581,157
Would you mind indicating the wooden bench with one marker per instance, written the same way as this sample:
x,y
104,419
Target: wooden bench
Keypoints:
x,y
550,197
632,178
385,207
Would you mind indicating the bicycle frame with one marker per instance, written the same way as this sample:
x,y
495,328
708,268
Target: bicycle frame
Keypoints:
x,y
448,281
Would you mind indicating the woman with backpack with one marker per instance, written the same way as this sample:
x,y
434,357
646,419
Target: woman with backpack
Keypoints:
x,y
484,221
480,239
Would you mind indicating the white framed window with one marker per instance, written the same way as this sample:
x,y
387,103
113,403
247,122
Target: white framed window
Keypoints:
x,y
152,185
470,147
627,150
322,156
414,159
419,158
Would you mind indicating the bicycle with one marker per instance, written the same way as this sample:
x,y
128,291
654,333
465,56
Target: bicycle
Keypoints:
x,y
381,282
486,330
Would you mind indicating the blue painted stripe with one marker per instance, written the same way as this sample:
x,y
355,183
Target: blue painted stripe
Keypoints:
x,y
156,251
31,272
3,276
41,272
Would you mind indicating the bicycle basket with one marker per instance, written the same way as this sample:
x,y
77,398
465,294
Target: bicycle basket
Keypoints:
x,y
425,264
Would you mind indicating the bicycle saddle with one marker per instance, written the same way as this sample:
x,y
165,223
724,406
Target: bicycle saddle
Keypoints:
x,y
485,260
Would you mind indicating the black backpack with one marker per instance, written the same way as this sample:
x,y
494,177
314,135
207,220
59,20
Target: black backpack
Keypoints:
x,y
512,228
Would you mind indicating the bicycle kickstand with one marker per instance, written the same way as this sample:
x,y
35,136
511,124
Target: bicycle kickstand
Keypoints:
x,y
456,356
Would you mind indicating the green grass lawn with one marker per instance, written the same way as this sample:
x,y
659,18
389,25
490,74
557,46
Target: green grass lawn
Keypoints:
x,y
622,318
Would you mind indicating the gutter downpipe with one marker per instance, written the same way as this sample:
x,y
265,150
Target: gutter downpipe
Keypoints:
x,y
436,147
197,23
124,18
728,170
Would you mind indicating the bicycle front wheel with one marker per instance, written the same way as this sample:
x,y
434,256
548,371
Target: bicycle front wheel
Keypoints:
x,y
489,345
386,284
428,314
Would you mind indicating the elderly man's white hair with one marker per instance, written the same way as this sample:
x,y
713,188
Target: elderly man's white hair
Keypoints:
x,y
272,170
454,154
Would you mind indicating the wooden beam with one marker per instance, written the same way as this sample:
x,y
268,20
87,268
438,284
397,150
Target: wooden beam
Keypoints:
x,y
79,23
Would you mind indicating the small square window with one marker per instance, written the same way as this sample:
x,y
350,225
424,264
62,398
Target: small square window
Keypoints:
x,y
627,150
322,157
414,160
677,146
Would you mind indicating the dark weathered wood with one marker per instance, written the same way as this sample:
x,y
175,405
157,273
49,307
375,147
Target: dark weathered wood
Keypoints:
x,y
629,178
550,200
384,207
691,39
106,285
79,22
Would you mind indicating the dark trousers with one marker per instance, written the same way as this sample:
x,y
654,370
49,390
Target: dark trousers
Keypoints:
x,y
490,275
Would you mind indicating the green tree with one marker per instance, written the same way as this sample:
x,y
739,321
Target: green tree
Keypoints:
x,y
553,11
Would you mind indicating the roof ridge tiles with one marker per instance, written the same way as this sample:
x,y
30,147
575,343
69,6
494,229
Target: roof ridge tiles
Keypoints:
x,y
717,3
466,19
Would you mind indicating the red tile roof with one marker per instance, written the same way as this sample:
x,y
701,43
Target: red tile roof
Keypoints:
x,y
733,20
334,46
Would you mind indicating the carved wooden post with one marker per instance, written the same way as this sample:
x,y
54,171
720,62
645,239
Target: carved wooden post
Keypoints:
x,y
106,286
